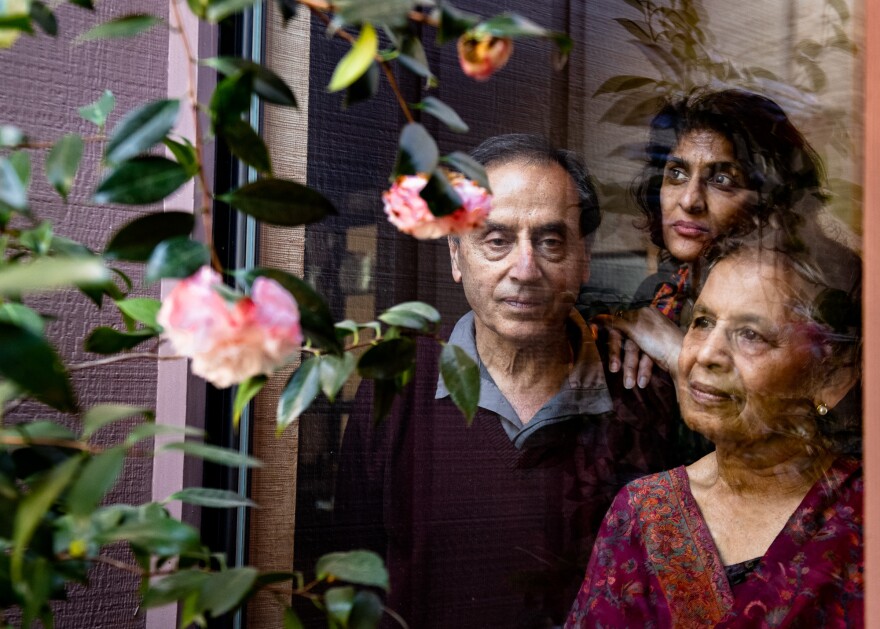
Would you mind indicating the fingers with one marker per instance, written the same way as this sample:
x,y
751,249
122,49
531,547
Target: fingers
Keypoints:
x,y
615,341
646,367
630,363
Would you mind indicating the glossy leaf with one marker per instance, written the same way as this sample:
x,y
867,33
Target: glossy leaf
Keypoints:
x,y
214,454
462,378
264,82
438,193
106,340
366,611
244,393
338,602
44,17
148,431
51,273
96,478
364,88
184,153
85,4
141,129
413,314
97,112
412,57
454,23
124,26
22,316
207,497
300,392
33,508
176,258
443,112
335,372
357,60
361,567
164,537
288,9
220,9
640,30
231,98
469,167
417,152
390,12
31,363
291,620
246,144
387,359
280,202
223,591
101,415
21,163
174,587
12,190
315,316
141,309
623,83
63,162
141,180
514,25
136,240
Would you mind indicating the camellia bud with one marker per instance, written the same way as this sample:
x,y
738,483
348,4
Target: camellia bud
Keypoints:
x,y
481,55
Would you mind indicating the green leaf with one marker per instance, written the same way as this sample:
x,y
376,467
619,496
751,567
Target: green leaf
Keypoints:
x,y
141,129
173,588
462,378
176,257
288,10
85,4
338,601
206,497
165,537
417,152
623,83
106,340
96,478
454,23
224,591
214,454
361,567
148,431
413,314
639,30
142,180
244,393
246,144
141,309
291,620
22,316
265,83
21,162
280,202
390,12
12,191
51,273
185,154
136,240
124,26
335,371
34,506
315,316
387,359
366,611
357,60
469,167
102,414
300,392
220,9
510,25
97,112
231,98
438,193
364,88
30,362
63,162
444,113
412,57
10,136
42,15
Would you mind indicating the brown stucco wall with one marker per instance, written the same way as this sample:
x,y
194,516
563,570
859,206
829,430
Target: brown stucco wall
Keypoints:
x,y
44,81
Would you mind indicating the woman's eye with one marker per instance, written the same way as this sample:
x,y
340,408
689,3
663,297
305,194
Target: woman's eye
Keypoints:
x,y
751,336
701,323
721,179
673,173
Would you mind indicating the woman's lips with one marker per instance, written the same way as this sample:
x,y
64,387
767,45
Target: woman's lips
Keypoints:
x,y
706,394
690,229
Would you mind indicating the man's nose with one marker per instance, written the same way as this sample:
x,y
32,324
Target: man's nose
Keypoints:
x,y
525,266
693,198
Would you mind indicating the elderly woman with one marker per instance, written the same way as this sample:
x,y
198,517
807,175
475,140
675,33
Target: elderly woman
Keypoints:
x,y
766,530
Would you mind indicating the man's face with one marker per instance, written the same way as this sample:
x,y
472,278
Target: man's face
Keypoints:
x,y
522,270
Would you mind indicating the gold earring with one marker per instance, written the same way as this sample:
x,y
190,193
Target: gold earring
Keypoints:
x,y
821,409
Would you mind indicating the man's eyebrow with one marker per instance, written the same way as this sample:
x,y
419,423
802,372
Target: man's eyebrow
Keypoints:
x,y
492,226
555,227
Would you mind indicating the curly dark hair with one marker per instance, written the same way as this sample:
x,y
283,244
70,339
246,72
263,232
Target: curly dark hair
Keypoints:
x,y
779,163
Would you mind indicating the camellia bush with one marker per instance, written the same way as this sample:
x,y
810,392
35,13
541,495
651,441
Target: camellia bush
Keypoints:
x,y
238,326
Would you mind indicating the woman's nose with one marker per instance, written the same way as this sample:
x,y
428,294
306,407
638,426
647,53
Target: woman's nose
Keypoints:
x,y
715,348
693,197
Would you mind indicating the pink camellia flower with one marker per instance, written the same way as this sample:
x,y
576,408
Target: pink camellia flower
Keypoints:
x,y
409,212
482,55
230,342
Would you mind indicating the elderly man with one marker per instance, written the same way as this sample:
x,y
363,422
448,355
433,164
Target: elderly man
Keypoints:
x,y
491,525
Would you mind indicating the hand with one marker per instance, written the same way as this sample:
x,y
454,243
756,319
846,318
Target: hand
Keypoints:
x,y
646,331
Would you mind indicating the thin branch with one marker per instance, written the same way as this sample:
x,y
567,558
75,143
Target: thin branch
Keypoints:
x,y
119,358
47,145
206,204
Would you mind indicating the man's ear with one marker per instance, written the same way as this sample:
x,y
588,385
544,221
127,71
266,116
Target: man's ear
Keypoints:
x,y
454,248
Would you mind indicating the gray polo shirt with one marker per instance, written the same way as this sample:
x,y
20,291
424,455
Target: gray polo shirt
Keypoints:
x,y
584,392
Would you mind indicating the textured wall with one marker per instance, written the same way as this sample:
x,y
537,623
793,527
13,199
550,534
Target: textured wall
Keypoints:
x,y
44,81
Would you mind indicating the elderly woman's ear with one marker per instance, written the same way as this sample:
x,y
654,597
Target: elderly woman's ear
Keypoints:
x,y
836,383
